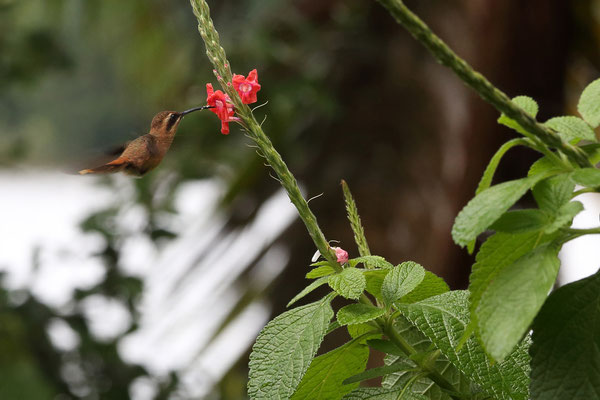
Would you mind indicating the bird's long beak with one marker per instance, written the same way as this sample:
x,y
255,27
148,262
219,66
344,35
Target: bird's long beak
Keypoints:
x,y
195,109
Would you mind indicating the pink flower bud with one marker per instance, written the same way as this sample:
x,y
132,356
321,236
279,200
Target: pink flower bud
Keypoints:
x,y
341,254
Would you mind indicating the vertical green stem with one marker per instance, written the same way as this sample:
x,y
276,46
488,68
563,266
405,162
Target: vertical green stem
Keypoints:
x,y
478,82
216,54
435,376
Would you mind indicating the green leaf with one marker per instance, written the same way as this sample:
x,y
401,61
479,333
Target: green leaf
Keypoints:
x,y
490,170
423,385
354,218
379,393
284,349
545,166
528,105
358,330
588,177
520,221
564,216
566,343
497,252
593,152
320,263
571,129
375,281
372,261
377,372
385,346
350,283
432,285
318,272
443,320
589,104
487,207
358,313
509,305
308,289
401,280
552,193
324,378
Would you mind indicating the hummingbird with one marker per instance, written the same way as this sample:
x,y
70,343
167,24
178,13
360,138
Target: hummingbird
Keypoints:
x,y
145,153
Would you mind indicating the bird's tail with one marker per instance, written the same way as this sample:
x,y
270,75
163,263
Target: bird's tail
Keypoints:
x,y
109,168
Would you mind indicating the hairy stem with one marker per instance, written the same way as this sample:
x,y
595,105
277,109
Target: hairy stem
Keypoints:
x,y
479,83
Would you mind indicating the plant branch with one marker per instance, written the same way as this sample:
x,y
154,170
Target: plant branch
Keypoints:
x,y
420,31
216,55
585,190
409,350
581,232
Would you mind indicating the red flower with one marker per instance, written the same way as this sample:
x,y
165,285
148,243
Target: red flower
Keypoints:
x,y
222,107
247,87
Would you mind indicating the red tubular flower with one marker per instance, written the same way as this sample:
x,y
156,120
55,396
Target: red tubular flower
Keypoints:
x,y
247,87
222,107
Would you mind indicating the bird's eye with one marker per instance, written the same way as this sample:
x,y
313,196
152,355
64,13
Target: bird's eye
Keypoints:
x,y
172,120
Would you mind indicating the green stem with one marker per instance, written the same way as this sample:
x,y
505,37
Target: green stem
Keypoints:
x,y
435,376
585,190
479,83
216,55
581,232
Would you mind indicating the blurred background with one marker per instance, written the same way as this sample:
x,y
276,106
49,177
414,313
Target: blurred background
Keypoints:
x,y
155,288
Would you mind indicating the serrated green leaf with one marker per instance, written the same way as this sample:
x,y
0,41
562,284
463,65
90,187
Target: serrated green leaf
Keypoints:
x,y
354,218
424,386
375,281
358,330
564,216
385,346
589,104
545,166
552,193
324,378
377,372
401,280
490,170
443,320
528,105
358,313
284,349
318,272
432,285
379,393
509,305
571,129
372,261
588,177
308,289
497,252
566,343
520,221
487,207
350,283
